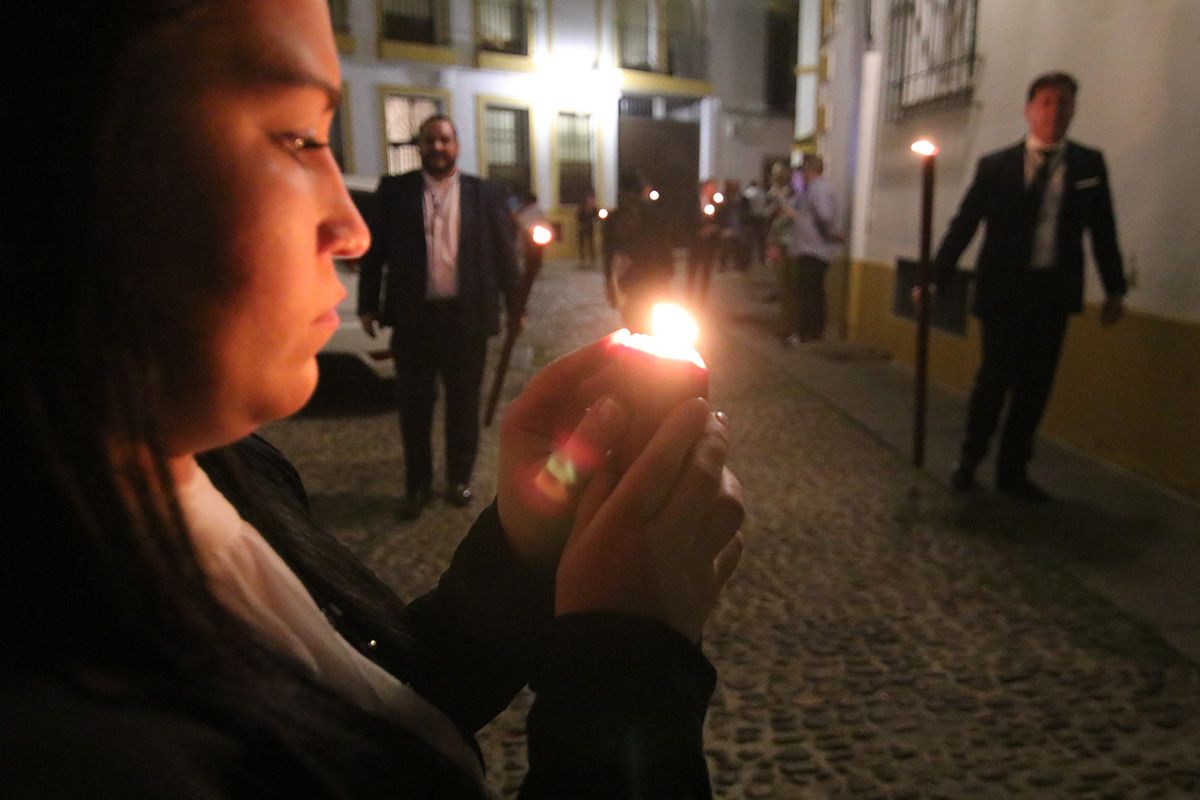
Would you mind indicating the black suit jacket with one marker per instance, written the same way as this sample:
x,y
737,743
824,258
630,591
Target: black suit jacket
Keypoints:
x,y
997,197
394,270
619,709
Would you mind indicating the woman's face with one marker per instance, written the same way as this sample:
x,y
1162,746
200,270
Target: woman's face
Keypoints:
x,y
253,213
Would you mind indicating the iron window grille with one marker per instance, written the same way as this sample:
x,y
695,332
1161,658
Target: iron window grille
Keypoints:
x,y
339,15
676,48
506,143
418,21
574,158
504,26
402,118
931,55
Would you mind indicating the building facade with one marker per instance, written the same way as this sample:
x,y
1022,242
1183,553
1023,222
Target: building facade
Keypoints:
x,y
956,72
557,96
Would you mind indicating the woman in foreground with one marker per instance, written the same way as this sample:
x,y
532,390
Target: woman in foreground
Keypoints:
x,y
175,624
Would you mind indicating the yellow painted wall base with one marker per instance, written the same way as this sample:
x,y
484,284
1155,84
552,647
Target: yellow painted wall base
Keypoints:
x,y
1129,394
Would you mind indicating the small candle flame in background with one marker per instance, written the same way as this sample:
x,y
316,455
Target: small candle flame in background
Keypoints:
x,y
654,195
718,197
924,147
541,235
709,209
602,213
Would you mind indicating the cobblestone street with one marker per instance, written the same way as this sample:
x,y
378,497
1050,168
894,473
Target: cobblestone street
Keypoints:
x,y
880,638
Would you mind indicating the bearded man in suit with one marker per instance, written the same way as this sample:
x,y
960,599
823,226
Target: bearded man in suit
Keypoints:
x,y
1036,199
441,259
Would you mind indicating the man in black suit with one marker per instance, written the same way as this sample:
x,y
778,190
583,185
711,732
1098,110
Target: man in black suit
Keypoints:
x,y
1035,198
442,253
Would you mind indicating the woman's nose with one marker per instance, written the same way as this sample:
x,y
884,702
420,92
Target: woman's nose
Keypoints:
x,y
345,234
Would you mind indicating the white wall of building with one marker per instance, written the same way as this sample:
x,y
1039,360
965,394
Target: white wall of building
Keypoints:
x,y
744,130
1139,102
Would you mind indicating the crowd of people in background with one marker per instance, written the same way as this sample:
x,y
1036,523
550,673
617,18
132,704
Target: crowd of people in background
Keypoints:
x,y
790,225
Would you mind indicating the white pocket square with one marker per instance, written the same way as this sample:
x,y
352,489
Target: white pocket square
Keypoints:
x,y
1087,183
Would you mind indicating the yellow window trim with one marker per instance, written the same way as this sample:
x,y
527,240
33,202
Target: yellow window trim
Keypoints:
x,y
482,101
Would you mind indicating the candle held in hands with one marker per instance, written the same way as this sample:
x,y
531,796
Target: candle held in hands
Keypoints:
x,y
658,371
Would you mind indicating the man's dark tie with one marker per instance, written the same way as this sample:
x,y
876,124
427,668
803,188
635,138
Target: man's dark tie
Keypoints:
x,y
1037,187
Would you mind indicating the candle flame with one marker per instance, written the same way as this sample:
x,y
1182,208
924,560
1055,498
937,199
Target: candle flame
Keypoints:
x,y
541,234
654,195
718,197
709,209
924,147
602,213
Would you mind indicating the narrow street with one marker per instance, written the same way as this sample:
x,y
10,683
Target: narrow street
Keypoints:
x,y
879,640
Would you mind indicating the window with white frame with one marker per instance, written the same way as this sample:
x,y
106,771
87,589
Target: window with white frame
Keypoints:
x,y
403,114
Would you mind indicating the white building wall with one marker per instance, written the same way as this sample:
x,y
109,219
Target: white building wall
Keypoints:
x,y
1139,102
744,130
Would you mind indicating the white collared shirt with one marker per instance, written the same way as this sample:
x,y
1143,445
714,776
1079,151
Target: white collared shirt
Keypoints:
x,y
1045,230
440,203
253,583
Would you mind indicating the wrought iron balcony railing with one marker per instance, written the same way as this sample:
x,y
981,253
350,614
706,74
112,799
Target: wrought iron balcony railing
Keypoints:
x,y
418,21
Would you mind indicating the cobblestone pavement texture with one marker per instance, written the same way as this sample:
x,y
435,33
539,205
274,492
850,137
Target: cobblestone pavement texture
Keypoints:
x,y
875,642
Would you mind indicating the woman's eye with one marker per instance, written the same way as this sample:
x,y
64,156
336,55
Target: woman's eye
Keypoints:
x,y
297,143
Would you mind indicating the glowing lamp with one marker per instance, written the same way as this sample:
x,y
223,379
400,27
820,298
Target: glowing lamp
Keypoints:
x,y
656,372
654,195
602,213
541,235
718,198
709,209
924,147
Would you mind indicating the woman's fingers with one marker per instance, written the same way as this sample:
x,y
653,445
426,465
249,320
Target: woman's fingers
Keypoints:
x,y
562,375
647,483
722,519
726,561
569,467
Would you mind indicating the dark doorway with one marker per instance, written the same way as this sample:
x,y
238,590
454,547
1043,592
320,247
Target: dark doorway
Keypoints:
x,y
667,154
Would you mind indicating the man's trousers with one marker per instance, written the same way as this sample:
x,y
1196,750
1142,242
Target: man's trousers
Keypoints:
x,y
1020,356
438,348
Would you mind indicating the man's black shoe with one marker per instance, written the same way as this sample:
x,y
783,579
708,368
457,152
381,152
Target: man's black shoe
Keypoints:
x,y
1023,489
412,504
963,477
459,494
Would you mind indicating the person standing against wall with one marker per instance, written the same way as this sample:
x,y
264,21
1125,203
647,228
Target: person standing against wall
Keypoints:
x,y
813,210
1035,197
446,244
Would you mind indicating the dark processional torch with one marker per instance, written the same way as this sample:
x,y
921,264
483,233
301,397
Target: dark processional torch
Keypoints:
x,y
928,152
540,236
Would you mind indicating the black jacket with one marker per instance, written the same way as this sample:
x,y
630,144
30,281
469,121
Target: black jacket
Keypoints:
x,y
619,707
393,276
998,198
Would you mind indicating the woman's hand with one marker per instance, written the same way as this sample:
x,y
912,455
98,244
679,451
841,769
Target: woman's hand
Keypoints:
x,y
552,439
661,540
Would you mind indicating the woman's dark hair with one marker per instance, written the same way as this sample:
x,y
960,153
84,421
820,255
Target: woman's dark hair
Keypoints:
x,y
98,580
